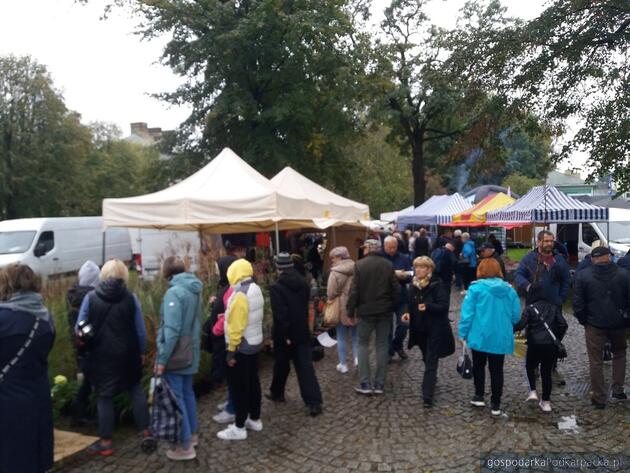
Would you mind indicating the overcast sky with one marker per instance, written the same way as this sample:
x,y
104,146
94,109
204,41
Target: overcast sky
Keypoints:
x,y
106,73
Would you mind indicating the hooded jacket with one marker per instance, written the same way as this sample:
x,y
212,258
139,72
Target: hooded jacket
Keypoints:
x,y
489,312
601,296
469,251
533,316
244,311
180,315
88,279
338,285
289,304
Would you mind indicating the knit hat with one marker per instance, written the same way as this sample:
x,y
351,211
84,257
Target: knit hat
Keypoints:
x,y
283,261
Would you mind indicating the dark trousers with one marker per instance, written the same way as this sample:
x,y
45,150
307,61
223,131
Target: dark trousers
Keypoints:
x,y
219,367
468,275
544,356
431,360
105,405
495,365
244,385
81,402
302,357
399,332
596,338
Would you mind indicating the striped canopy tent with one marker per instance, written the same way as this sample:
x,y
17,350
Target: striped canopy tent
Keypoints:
x,y
438,210
476,216
546,204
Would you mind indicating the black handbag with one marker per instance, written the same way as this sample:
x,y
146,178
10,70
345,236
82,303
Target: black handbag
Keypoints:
x,y
464,364
562,351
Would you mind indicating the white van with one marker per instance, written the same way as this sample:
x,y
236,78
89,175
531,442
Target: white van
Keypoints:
x,y
578,237
150,247
54,246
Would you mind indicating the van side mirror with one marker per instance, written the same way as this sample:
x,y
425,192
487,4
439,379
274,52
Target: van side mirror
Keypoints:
x,y
40,250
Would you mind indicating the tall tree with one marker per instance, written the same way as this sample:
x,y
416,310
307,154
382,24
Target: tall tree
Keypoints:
x,y
428,96
278,81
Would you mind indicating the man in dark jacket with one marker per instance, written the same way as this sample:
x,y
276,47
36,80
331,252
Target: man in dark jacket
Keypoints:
x,y
374,295
445,264
544,267
601,301
291,335
402,268
488,251
624,262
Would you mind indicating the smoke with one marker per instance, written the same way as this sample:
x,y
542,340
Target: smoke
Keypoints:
x,y
459,181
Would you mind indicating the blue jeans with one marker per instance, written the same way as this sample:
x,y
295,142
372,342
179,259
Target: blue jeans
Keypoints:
x,y
398,332
182,386
342,335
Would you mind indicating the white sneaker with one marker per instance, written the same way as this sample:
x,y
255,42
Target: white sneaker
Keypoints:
x,y
255,425
533,396
224,417
179,454
342,368
545,406
222,405
233,433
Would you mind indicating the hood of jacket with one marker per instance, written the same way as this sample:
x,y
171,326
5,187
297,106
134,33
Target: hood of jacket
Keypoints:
x,y
188,281
88,274
224,263
29,302
495,286
111,289
604,272
292,279
345,266
239,270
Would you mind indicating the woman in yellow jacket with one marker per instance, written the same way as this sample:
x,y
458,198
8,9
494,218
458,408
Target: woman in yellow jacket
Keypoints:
x,y
244,339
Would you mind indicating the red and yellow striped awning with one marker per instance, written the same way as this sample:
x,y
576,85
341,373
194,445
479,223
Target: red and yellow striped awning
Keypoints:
x,y
476,215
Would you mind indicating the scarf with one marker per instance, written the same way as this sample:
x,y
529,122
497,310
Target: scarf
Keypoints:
x,y
30,302
422,283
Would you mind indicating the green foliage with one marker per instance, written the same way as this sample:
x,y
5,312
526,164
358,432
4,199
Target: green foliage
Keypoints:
x,y
51,164
520,184
573,62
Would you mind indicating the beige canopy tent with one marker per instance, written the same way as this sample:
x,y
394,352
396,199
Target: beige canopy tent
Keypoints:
x,y
229,196
322,208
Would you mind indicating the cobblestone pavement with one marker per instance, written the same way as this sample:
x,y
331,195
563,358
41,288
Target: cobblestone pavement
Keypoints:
x,y
393,432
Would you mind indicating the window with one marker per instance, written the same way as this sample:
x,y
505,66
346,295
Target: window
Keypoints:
x,y
589,235
46,242
15,242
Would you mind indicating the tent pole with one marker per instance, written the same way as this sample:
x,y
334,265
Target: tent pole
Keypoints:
x,y
277,239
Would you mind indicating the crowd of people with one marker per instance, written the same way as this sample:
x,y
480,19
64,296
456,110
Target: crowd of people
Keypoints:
x,y
399,290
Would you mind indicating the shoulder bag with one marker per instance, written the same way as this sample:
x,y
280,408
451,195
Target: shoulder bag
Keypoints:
x,y
16,358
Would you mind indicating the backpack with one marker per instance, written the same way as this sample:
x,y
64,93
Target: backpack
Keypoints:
x,y
436,256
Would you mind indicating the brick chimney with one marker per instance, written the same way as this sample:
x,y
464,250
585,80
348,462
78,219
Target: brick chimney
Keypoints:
x,y
140,129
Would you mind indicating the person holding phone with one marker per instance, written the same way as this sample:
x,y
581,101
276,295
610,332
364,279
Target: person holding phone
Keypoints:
x,y
429,327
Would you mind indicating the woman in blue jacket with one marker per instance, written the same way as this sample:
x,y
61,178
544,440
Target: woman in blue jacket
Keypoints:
x,y
181,317
469,253
489,312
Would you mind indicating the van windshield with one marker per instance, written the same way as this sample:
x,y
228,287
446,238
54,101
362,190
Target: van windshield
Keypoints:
x,y
619,232
15,242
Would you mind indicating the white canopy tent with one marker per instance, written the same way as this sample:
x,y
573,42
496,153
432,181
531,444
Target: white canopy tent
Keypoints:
x,y
225,196
321,208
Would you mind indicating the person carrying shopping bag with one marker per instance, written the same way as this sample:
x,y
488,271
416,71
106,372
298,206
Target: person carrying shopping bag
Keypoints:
x,y
178,349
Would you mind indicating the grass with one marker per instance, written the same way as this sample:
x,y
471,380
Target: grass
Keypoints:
x,y
517,254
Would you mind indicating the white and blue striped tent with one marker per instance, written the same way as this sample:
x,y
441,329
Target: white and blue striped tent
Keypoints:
x,y
546,204
438,210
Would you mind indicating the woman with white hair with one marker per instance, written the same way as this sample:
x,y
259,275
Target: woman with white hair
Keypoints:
x,y
469,260
339,282
111,324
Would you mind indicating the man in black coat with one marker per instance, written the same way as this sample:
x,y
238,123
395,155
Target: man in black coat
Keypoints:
x,y
291,335
374,295
624,262
601,302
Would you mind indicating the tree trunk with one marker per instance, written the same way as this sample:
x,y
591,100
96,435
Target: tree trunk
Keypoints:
x,y
417,166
